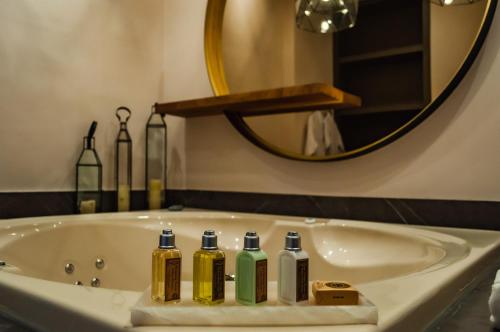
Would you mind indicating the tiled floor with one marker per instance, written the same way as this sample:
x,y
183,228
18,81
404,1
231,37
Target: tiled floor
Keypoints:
x,y
8,326
471,313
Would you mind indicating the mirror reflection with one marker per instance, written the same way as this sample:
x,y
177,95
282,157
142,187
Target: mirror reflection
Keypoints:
x,y
398,57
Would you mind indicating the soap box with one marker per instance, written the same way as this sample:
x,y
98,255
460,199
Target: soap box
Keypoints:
x,y
334,293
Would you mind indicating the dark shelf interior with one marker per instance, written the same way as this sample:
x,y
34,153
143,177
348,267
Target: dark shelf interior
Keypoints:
x,y
383,25
385,60
359,131
381,109
391,52
386,81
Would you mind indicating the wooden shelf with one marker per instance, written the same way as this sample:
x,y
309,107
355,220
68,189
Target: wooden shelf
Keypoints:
x,y
397,51
282,100
403,107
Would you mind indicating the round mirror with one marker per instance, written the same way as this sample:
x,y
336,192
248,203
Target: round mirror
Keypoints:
x,y
401,58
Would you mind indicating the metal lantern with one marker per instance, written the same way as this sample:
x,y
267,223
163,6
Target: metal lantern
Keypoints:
x,y
89,176
123,163
326,16
156,160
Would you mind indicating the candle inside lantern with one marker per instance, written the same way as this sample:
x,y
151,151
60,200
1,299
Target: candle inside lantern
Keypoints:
x,y
87,206
123,197
154,194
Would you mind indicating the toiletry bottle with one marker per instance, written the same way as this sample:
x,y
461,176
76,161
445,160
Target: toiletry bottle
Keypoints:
x,y
251,272
166,273
293,271
208,271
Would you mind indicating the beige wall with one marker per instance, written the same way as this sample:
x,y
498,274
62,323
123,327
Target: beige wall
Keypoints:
x,y
453,31
184,74
452,155
65,64
262,52
257,45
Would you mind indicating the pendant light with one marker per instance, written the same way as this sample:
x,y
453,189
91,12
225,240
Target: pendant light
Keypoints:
x,y
326,16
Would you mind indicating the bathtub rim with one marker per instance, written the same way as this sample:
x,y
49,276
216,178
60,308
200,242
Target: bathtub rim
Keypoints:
x,y
485,250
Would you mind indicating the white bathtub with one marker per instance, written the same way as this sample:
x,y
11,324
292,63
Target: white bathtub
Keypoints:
x,y
410,273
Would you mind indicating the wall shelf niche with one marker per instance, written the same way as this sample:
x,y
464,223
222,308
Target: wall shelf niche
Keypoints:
x,y
291,99
374,55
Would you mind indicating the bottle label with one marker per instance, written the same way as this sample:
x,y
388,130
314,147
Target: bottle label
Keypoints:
x,y
172,279
302,273
261,281
218,276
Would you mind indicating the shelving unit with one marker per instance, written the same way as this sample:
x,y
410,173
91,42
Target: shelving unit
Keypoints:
x,y
374,55
273,101
385,59
381,109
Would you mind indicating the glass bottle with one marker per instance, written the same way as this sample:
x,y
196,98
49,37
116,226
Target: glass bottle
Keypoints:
x,y
293,271
156,160
89,176
123,164
209,271
166,270
251,272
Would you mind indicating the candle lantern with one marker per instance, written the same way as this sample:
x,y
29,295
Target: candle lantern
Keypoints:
x,y
156,160
89,176
123,163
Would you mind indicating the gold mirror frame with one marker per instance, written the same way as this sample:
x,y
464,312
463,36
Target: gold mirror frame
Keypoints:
x,y
215,66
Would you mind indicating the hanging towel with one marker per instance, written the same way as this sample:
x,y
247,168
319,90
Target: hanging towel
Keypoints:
x,y
494,302
333,139
315,135
322,135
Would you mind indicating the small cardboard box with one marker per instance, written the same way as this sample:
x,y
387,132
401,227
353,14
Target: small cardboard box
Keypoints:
x,y
334,293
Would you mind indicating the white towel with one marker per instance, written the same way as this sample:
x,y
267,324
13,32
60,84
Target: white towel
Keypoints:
x,y
322,135
494,302
315,141
333,139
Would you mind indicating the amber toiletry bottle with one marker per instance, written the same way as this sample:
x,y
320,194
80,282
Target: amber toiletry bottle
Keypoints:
x,y
166,273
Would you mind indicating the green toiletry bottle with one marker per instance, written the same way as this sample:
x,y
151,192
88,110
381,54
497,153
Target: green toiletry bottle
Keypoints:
x,y
251,272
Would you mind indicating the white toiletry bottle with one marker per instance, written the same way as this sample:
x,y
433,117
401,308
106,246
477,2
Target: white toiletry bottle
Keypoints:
x,y
293,279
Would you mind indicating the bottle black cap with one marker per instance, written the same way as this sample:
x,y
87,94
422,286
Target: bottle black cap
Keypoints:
x,y
251,242
292,241
209,240
167,239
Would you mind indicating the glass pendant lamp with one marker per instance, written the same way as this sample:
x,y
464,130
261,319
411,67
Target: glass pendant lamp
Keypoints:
x,y
123,163
156,160
326,16
89,176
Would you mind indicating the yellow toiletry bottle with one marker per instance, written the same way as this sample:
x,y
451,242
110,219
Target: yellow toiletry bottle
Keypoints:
x,y
166,273
209,271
